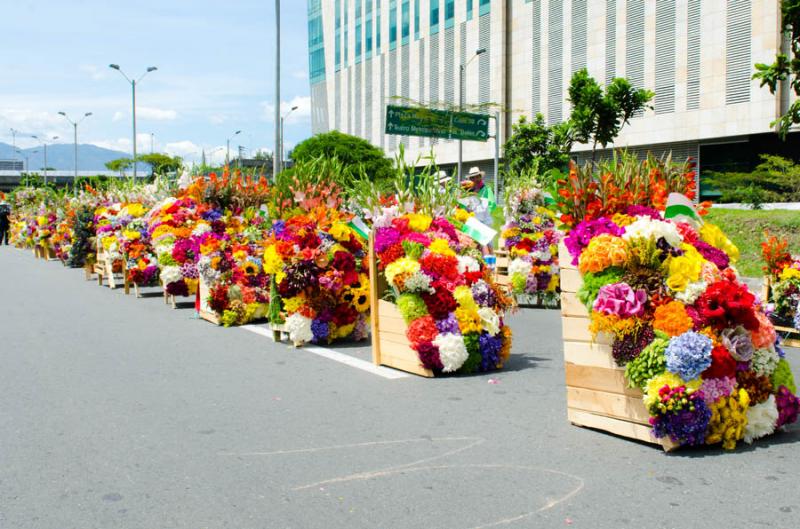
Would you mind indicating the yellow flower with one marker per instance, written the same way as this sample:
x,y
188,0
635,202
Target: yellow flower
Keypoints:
x,y
292,305
345,330
462,215
667,379
620,219
510,232
272,261
134,210
131,235
728,419
404,265
441,247
714,236
790,273
419,222
340,231
360,299
684,269
463,296
468,320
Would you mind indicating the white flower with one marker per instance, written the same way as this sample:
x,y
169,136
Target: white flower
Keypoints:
x,y
452,351
646,228
383,218
209,275
201,229
519,266
419,282
171,274
761,420
693,291
467,264
299,328
765,361
490,319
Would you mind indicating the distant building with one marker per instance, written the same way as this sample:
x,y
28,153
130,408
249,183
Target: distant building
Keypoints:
x,y
11,165
696,55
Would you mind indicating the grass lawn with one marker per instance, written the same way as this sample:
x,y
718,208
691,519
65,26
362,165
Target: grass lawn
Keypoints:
x,y
746,229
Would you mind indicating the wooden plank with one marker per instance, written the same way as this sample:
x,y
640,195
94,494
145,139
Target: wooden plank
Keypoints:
x,y
402,357
564,257
618,427
374,300
589,354
209,317
609,404
394,337
571,280
610,380
572,306
576,329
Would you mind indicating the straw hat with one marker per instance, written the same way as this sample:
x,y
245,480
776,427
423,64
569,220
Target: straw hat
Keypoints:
x,y
443,178
475,172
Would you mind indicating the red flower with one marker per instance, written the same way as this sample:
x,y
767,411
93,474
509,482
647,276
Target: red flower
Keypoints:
x,y
440,266
725,304
421,330
344,314
722,364
390,255
440,304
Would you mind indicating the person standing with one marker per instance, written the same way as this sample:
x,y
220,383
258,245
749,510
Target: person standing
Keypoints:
x,y
5,212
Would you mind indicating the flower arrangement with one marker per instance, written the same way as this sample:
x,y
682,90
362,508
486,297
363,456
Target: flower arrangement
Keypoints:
x,y
170,228
783,273
445,293
690,335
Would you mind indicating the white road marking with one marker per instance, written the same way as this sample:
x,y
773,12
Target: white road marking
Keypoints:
x,y
369,367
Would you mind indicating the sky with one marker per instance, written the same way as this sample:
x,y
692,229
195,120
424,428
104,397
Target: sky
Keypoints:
x,y
215,73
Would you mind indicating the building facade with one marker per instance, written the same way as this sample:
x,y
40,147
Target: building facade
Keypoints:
x,y
696,55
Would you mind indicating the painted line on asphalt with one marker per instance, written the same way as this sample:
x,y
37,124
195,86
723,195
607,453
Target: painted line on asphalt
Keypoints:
x,y
348,360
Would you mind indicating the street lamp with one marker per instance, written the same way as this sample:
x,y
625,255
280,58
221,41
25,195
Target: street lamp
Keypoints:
x,y
228,143
275,161
14,138
44,144
280,151
462,73
75,127
27,156
133,103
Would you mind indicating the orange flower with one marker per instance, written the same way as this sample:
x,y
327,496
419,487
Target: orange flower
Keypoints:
x,y
672,319
604,251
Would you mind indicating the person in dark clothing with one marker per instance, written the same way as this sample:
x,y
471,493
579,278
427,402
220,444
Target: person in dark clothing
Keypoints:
x,y
5,211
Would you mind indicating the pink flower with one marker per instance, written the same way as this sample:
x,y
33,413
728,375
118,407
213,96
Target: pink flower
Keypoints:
x,y
621,300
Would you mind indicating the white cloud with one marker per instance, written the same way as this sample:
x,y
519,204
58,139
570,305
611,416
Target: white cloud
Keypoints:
x,y
182,148
217,119
118,116
124,144
300,74
93,71
302,114
156,114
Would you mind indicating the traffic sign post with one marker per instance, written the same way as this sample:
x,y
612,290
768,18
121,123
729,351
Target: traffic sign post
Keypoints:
x,y
431,123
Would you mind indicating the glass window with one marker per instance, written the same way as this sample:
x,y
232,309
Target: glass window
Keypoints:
x,y
406,21
434,16
416,19
368,38
469,9
316,66
483,7
378,27
449,12
392,25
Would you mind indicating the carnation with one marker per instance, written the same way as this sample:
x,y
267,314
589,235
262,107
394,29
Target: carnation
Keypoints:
x,y
171,274
761,420
582,234
452,351
788,406
648,228
689,354
782,376
519,266
299,328
620,299
764,361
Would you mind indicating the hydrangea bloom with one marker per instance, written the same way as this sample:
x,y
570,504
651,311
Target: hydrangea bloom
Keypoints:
x,y
689,354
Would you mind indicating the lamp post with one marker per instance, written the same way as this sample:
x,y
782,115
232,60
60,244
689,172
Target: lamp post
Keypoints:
x,y
133,103
14,139
280,162
27,156
44,144
152,141
275,162
228,144
462,73
75,128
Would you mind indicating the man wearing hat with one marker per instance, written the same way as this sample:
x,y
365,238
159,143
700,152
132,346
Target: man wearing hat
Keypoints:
x,y
483,202
5,211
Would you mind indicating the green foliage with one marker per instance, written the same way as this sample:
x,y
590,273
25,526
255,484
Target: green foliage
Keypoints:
x,y
782,376
353,152
536,142
775,179
592,282
650,362
119,165
746,230
785,68
161,163
598,117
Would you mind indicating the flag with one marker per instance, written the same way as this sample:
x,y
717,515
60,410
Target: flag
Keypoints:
x,y
358,226
681,209
478,231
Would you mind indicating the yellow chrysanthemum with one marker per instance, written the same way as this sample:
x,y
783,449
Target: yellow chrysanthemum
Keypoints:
x,y
134,210
292,305
510,232
419,222
272,261
340,231
404,265
462,215
441,247
131,235
463,296
711,234
790,273
468,320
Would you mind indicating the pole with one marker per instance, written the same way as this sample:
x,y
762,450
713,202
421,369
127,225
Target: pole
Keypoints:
x,y
496,152
282,143
45,164
133,102
461,73
276,165
152,139
228,152
75,180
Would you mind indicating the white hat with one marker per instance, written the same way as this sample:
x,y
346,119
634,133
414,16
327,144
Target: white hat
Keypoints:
x,y
475,171
443,178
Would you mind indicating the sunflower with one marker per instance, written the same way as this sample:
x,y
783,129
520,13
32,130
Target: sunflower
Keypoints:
x,y
250,268
361,300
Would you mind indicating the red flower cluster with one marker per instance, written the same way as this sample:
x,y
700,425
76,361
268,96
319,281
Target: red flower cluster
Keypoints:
x,y
440,304
727,304
722,364
441,266
390,255
422,330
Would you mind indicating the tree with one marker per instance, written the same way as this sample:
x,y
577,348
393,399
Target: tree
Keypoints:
x,y
536,143
775,179
351,151
598,117
161,163
785,68
119,165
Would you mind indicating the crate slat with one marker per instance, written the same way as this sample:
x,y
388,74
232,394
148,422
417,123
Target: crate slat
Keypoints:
x,y
609,404
572,306
610,380
589,354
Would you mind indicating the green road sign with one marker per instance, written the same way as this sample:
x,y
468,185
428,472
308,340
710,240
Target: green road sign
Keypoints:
x,y
417,121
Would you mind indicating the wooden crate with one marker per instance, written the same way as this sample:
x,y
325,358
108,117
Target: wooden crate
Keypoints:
x,y
598,395
104,268
390,347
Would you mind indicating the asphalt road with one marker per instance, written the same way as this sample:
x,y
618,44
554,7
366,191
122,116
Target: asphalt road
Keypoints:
x,y
118,412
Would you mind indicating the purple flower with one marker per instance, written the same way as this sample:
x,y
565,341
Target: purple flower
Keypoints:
x,y
685,426
689,354
321,330
429,356
189,270
490,351
212,215
583,233
448,325
643,211
484,296
385,238
712,254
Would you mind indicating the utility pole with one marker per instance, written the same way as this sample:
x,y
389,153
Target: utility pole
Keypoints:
x,y
275,162
75,129
462,74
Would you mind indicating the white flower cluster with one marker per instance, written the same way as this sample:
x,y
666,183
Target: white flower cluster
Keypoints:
x,y
693,291
299,328
452,351
467,264
419,283
519,266
171,274
490,319
646,228
761,420
765,361
201,229
207,273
